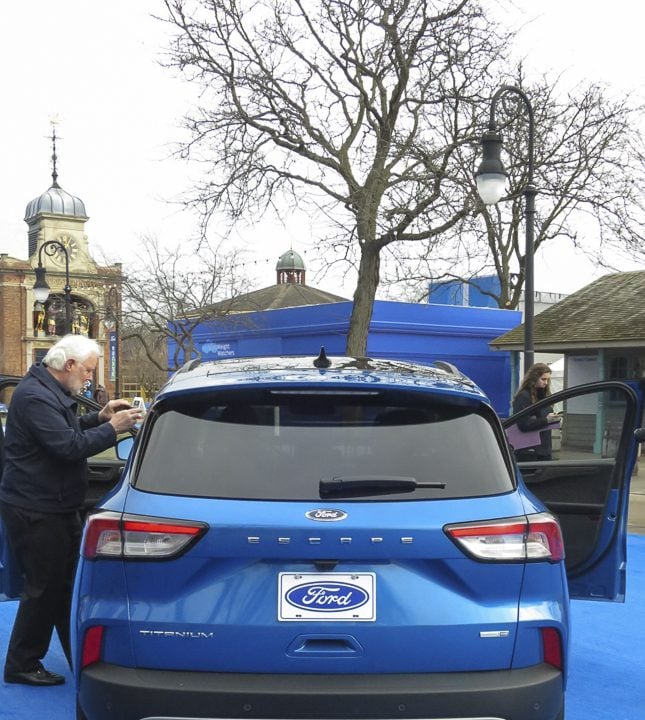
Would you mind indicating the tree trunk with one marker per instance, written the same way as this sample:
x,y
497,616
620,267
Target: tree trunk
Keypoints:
x,y
359,323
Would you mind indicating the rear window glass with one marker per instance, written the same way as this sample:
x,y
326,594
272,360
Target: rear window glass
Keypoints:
x,y
280,446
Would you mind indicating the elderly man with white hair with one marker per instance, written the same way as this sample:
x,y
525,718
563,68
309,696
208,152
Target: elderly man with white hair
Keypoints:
x,y
43,487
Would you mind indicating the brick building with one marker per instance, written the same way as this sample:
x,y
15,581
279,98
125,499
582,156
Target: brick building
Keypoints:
x,y
56,220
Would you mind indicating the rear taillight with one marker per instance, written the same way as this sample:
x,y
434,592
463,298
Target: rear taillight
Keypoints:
x,y
92,644
535,537
552,647
110,535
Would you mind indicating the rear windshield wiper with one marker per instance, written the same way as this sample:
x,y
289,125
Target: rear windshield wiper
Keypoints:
x,y
356,485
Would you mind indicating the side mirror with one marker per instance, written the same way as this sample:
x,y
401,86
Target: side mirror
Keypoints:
x,y
124,447
639,434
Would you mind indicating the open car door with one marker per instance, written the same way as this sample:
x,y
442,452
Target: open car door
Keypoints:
x,y
594,453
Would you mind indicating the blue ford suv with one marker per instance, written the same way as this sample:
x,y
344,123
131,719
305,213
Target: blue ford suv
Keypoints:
x,y
347,538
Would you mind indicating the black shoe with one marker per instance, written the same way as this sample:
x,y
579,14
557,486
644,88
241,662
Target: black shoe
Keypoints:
x,y
39,676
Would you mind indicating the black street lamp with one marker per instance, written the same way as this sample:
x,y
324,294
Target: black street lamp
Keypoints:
x,y
42,289
491,182
111,323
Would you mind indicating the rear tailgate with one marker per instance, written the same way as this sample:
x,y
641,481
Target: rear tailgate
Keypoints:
x,y
381,590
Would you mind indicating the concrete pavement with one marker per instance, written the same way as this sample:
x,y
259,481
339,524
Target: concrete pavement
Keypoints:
x,y
636,514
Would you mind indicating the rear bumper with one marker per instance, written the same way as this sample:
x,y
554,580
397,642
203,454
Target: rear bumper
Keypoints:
x,y
111,692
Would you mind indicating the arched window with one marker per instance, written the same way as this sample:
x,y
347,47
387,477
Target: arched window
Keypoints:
x,y
82,317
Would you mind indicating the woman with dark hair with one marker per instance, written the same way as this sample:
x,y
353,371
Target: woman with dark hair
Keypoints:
x,y
535,386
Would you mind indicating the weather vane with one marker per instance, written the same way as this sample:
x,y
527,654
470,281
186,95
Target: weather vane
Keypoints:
x,y
54,121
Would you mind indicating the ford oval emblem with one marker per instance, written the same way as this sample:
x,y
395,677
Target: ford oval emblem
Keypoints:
x,y
327,597
326,515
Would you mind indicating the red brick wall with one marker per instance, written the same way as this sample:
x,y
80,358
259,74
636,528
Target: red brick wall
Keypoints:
x,y
12,322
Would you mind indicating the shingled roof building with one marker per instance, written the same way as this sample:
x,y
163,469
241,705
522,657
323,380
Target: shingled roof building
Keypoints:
x,y
288,292
600,329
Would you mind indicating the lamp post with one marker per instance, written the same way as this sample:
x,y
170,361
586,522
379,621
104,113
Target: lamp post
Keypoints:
x,y
491,181
111,323
42,289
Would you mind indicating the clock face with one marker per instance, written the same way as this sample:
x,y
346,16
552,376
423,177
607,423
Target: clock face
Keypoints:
x,y
71,247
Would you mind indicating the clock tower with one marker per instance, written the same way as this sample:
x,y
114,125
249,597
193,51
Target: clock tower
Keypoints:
x,y
81,296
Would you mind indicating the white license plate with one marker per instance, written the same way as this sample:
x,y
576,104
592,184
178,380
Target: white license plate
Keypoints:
x,y
327,596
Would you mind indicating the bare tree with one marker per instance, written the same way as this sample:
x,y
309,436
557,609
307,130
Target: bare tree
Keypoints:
x,y
589,171
144,360
169,293
356,109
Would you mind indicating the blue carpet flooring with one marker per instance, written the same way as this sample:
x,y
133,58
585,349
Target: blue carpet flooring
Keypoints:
x,y
606,677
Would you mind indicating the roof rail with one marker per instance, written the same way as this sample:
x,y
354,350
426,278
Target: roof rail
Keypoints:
x,y
454,370
448,367
190,365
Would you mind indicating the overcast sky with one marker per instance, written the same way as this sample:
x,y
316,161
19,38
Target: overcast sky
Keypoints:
x,y
95,65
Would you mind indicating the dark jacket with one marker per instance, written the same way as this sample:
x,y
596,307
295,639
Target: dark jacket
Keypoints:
x,y
46,446
534,421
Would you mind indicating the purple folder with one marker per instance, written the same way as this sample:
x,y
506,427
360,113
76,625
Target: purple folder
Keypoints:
x,y
520,439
